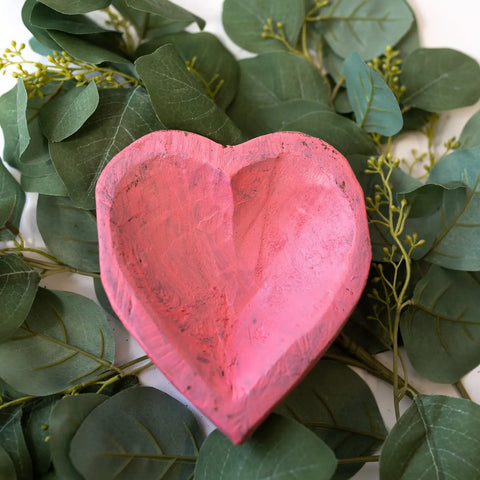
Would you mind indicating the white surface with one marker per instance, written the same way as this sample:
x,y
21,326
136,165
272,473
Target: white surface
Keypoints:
x,y
442,24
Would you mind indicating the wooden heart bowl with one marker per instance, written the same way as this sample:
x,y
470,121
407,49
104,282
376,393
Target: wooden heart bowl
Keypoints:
x,y
234,267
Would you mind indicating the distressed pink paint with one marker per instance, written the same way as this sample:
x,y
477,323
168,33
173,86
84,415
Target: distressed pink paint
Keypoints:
x,y
233,267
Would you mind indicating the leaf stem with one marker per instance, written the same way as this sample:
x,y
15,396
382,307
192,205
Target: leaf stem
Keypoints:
x,y
348,461
462,390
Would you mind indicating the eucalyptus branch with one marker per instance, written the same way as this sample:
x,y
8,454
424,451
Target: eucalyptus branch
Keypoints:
x,y
61,68
213,86
349,461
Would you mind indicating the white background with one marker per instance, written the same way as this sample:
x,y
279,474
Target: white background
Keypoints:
x,y
442,23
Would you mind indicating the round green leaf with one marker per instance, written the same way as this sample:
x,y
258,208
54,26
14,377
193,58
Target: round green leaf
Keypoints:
x,y
139,433
439,79
470,136
65,340
7,468
365,27
69,232
167,10
12,201
351,425
18,286
122,116
441,330
76,6
65,419
436,438
35,423
13,442
38,33
180,101
66,114
374,104
280,449
212,62
244,22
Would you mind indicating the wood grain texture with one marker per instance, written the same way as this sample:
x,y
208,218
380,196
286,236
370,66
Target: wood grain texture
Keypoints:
x,y
233,267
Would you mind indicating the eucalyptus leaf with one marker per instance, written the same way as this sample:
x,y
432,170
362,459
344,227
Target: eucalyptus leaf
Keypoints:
x,y
122,116
470,136
209,59
167,10
351,425
7,468
437,437
441,329
245,20
13,442
456,226
18,286
73,7
374,104
139,433
69,232
36,166
340,132
13,120
269,80
364,26
67,415
66,114
38,33
439,79
102,297
49,19
35,424
65,340
280,449
147,25
12,201
88,48
179,101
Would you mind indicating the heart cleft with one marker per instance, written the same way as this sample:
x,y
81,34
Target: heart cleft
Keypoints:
x,y
234,267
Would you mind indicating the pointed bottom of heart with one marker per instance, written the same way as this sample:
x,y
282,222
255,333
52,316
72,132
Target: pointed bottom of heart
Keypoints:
x,y
234,267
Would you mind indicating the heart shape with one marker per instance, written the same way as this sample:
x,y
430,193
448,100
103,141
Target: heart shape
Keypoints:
x,y
233,267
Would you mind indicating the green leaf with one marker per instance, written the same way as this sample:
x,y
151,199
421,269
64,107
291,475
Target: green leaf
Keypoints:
x,y
13,442
167,10
364,26
441,330
138,433
38,172
12,201
65,419
69,232
180,101
351,425
64,341
122,116
102,297
73,7
89,48
271,79
49,19
280,449
13,120
244,22
39,33
439,79
66,114
147,25
470,136
18,286
436,438
35,424
340,132
374,104
213,62
7,468
456,225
